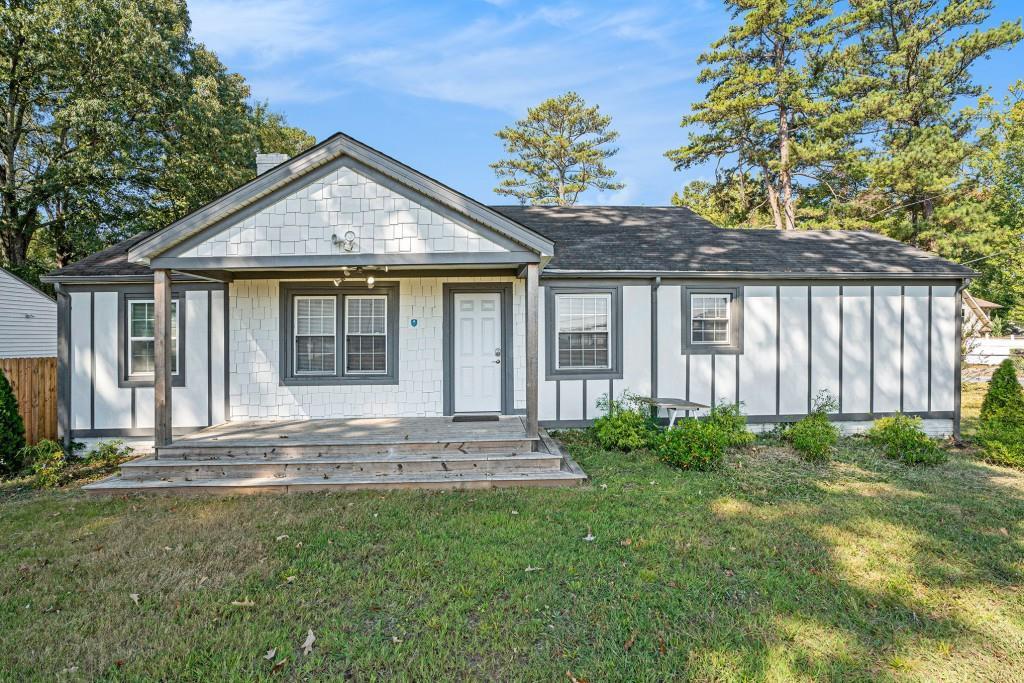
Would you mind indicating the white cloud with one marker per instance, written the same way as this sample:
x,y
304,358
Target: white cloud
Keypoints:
x,y
264,30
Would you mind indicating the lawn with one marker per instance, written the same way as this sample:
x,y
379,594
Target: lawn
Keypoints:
x,y
769,569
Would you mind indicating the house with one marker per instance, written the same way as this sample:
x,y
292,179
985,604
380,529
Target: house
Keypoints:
x,y
342,305
978,315
28,320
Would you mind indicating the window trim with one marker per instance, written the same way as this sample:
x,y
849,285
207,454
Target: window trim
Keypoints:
x,y
735,344
551,369
286,333
295,335
145,379
606,296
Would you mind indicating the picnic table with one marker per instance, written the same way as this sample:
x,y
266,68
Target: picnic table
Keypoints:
x,y
673,406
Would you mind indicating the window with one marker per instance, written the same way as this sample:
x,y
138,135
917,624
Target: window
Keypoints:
x,y
583,331
366,328
315,347
141,345
344,334
583,323
712,320
709,318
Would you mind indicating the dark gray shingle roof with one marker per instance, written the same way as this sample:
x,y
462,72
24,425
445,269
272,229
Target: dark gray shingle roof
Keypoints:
x,y
663,240
675,239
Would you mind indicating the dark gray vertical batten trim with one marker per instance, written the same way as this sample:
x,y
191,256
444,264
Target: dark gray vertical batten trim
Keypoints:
x,y
929,348
842,305
558,399
810,347
903,315
655,284
687,377
135,419
92,360
778,349
871,355
584,399
713,356
209,357
227,354
737,399
63,365
958,350
611,390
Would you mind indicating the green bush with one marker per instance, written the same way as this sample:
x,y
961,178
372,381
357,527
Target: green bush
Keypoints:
x,y
12,429
108,453
1001,423
814,436
728,418
30,455
48,469
900,437
693,444
627,424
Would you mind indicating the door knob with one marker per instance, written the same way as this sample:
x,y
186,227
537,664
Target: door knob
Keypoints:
x,y
497,351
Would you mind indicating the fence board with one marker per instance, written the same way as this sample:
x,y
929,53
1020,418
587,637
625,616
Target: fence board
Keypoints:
x,y
35,386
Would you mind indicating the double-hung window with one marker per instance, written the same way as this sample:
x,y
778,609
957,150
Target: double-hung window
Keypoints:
x,y
583,332
141,345
709,318
339,335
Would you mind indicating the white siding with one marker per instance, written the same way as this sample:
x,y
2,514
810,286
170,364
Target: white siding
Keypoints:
x,y
888,307
725,379
28,320
856,396
793,350
671,363
572,399
915,349
113,404
700,379
825,304
944,351
758,362
636,339
81,359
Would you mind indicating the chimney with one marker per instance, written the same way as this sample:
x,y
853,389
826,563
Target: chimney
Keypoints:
x,y
265,162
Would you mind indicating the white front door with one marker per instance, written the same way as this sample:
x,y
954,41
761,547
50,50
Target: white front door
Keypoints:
x,y
478,356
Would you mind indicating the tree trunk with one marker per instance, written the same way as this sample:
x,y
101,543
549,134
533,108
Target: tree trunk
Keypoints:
x,y
773,202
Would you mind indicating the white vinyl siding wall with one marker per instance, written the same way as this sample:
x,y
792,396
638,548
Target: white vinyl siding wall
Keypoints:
x,y
28,320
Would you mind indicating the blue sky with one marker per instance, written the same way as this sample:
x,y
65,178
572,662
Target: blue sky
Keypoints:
x,y
429,82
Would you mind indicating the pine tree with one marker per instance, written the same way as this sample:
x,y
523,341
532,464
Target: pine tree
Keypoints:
x,y
769,109
12,428
558,152
1004,401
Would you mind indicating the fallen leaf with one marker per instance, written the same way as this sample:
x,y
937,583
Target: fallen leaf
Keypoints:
x,y
291,579
1003,531
629,643
277,667
626,542
271,653
243,603
729,572
661,645
168,548
307,647
604,486
515,512
281,537
203,580
134,597
299,544
532,569
589,538
396,640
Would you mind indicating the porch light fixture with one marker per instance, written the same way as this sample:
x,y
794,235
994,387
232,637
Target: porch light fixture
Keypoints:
x,y
348,243
359,270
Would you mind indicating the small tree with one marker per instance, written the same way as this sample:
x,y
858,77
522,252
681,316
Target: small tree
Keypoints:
x,y
1004,401
559,151
12,428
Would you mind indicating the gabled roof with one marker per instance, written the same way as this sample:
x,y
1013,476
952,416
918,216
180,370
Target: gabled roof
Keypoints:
x,y
674,240
337,146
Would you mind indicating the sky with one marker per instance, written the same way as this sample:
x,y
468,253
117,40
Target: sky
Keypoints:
x,y
430,83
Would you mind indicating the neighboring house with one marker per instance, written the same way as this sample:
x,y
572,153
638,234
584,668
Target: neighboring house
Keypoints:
x,y
977,314
28,320
343,284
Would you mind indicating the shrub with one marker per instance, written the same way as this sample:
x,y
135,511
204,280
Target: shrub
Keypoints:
x,y
108,453
12,429
901,437
814,436
29,455
727,418
627,424
693,444
1001,423
49,469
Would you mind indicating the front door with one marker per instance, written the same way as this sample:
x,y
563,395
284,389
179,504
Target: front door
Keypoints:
x,y
477,352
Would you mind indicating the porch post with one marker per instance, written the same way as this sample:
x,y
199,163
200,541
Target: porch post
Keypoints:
x,y
532,378
162,357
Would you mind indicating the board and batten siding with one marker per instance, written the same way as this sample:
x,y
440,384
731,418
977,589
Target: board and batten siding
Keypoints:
x,y
875,348
28,320
101,407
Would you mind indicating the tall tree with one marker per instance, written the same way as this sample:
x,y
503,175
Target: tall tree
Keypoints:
x,y
768,109
908,65
558,152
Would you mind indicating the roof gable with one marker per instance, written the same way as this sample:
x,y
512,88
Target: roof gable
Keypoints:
x,y
338,150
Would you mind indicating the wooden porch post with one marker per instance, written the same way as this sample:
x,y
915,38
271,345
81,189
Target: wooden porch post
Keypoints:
x,y
162,357
532,379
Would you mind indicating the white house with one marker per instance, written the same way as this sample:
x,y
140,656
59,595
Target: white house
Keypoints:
x,y
28,320
343,304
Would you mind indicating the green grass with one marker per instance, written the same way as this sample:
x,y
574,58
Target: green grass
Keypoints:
x,y
768,569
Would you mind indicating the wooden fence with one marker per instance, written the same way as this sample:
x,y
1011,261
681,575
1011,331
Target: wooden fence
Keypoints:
x,y
35,386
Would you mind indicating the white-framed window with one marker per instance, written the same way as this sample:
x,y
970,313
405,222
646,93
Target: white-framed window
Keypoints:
x,y
141,344
710,323
583,331
315,335
366,335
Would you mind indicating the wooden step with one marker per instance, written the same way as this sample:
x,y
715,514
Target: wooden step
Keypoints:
x,y
305,450
289,484
334,465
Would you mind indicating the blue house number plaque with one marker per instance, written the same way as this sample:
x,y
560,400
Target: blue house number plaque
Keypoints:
x,y
414,322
